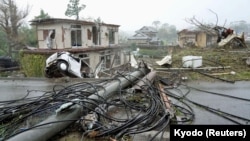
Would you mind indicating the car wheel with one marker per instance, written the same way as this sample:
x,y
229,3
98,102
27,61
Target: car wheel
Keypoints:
x,y
62,66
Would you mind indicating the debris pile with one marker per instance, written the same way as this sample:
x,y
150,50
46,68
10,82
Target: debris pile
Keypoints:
x,y
226,36
117,108
102,108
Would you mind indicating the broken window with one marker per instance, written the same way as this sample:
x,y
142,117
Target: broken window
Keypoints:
x,y
45,34
111,37
106,60
95,35
50,36
209,40
89,34
102,58
117,58
76,35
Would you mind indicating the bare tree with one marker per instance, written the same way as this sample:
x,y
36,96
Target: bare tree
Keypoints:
x,y
208,27
11,19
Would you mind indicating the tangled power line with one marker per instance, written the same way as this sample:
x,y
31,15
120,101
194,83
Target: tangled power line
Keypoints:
x,y
126,113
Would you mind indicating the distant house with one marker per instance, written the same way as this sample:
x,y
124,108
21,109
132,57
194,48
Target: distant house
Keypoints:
x,y
90,41
146,36
196,38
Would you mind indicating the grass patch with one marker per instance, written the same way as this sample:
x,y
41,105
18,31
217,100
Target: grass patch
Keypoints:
x,y
33,65
153,53
211,57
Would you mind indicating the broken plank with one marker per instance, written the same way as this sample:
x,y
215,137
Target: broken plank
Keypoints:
x,y
189,69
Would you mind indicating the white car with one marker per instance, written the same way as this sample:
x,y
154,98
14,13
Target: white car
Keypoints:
x,y
64,63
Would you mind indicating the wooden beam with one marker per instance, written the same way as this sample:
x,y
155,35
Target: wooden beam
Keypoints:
x,y
190,69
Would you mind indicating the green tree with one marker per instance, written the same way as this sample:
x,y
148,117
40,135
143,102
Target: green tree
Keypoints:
x,y
156,24
11,19
74,9
123,37
3,43
28,36
167,33
42,15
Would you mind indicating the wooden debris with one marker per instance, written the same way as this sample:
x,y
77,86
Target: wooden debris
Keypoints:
x,y
189,69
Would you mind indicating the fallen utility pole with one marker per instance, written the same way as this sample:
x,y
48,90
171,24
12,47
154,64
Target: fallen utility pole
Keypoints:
x,y
146,81
56,123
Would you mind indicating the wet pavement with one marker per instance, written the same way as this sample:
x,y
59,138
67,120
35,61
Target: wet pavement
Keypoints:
x,y
16,88
227,97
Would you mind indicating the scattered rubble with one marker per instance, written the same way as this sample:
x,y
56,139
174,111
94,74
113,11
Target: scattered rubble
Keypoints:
x,y
226,36
192,61
167,60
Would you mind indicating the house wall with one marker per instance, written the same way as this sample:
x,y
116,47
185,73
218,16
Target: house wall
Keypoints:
x,y
184,38
63,36
85,41
104,36
42,34
94,59
125,56
201,39
109,56
65,41
206,40
150,34
211,40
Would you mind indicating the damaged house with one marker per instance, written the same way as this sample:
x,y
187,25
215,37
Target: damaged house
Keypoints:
x,y
145,36
198,38
90,41
66,33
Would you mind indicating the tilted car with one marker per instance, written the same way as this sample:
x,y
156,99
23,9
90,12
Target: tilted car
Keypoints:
x,y
64,63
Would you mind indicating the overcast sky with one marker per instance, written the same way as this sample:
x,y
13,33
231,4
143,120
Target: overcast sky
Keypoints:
x,y
131,15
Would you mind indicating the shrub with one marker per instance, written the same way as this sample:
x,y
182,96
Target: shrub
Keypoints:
x,y
33,65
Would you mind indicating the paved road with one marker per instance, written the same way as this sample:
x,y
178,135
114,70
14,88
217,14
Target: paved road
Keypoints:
x,y
18,88
11,88
15,88
230,105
